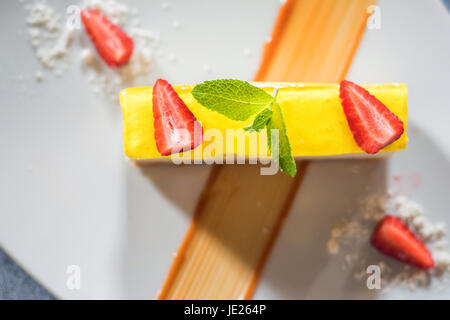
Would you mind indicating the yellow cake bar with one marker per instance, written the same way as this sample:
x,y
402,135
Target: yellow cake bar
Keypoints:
x,y
313,113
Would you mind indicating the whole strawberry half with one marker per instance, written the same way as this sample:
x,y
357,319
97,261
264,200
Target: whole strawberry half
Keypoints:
x,y
176,128
393,238
373,125
112,43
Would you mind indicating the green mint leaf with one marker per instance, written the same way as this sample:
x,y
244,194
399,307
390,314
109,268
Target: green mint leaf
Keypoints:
x,y
260,121
235,99
282,154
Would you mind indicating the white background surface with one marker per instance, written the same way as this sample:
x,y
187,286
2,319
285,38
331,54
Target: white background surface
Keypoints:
x,y
69,196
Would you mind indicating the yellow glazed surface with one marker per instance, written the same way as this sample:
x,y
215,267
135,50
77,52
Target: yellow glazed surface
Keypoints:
x,y
314,118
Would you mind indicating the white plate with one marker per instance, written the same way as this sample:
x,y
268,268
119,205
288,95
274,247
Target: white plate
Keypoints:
x,y
68,196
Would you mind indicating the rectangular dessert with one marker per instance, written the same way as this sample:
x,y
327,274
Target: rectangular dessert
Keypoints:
x,y
315,122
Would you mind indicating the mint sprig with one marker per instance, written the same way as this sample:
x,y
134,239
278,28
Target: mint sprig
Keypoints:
x,y
282,154
260,121
239,100
235,99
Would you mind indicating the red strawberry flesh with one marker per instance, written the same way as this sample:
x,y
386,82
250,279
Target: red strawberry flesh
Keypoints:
x,y
373,125
112,43
176,128
393,238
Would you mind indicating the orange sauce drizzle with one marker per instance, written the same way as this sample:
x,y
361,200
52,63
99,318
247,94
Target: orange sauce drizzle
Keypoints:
x,y
240,213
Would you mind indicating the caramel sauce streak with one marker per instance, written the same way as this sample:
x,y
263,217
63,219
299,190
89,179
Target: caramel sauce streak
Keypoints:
x,y
240,213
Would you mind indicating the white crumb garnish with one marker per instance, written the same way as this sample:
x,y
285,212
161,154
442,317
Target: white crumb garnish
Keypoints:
x,y
110,81
39,76
48,36
41,15
165,5
51,39
87,57
406,209
172,57
247,52
332,245
59,50
207,68
176,24
354,233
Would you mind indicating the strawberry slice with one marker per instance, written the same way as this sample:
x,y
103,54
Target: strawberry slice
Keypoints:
x,y
393,238
176,128
112,43
372,124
